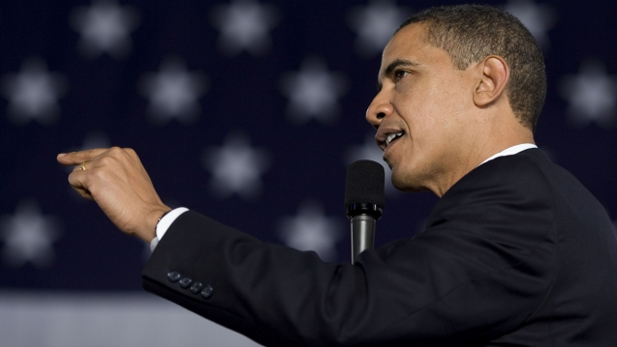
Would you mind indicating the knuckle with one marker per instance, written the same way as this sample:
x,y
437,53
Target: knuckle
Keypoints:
x,y
99,175
130,151
89,153
107,160
115,150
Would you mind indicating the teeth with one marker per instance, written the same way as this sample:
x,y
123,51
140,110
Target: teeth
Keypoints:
x,y
391,137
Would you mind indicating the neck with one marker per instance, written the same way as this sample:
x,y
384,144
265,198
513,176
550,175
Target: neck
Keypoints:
x,y
479,148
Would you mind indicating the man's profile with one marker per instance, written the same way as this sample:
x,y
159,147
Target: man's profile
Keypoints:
x,y
515,253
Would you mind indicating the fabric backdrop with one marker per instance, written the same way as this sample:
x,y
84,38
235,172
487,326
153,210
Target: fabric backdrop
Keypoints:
x,y
247,111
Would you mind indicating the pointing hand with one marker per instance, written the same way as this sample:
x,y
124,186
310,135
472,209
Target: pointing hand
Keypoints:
x,y
117,181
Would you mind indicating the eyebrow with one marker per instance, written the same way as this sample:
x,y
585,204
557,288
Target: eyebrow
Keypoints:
x,y
392,66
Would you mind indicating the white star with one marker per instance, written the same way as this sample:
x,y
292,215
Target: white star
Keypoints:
x,y
33,93
236,167
244,25
538,18
28,236
313,92
592,95
310,230
173,92
104,28
375,25
370,151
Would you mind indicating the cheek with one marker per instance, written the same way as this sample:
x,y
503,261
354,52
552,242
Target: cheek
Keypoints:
x,y
455,92
426,109
447,103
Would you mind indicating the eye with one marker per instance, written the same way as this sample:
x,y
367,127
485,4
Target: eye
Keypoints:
x,y
399,74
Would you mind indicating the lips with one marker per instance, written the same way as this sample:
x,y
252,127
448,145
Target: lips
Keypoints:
x,y
387,136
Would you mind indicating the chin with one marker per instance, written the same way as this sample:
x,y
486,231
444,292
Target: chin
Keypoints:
x,y
405,185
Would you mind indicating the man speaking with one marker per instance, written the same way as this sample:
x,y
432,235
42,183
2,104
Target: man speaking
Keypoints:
x,y
515,253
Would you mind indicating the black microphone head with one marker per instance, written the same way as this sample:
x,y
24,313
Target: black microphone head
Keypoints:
x,y
364,190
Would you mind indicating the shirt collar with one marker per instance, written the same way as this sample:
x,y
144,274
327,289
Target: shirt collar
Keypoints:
x,y
511,151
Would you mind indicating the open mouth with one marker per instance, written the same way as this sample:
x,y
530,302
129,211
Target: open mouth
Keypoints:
x,y
393,137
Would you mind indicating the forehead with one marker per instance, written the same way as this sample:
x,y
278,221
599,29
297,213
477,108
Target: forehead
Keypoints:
x,y
409,47
406,41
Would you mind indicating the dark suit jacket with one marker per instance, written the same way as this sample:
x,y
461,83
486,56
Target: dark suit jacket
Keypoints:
x,y
517,253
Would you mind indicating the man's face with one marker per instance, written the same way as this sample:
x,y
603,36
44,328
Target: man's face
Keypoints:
x,y
421,112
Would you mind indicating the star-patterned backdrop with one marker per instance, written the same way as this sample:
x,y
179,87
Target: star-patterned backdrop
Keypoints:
x,y
247,111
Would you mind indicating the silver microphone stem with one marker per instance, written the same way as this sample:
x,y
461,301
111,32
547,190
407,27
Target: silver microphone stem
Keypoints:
x,y
362,235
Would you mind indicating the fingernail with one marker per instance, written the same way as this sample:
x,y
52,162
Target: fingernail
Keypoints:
x,y
61,155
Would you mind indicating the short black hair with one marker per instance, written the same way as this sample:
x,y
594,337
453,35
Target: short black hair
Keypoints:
x,y
470,33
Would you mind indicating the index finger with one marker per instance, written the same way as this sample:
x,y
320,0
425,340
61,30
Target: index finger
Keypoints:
x,y
74,158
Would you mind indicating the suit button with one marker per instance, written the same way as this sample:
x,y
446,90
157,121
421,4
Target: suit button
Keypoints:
x,y
207,292
173,276
196,287
185,282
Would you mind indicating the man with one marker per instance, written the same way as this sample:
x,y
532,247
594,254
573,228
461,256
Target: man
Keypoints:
x,y
515,253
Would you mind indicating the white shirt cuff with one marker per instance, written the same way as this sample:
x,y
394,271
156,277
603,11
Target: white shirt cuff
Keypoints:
x,y
164,224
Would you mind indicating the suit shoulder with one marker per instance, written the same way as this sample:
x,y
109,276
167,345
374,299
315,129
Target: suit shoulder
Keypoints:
x,y
525,174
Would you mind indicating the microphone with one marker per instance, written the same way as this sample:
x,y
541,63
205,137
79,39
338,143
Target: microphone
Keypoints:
x,y
364,201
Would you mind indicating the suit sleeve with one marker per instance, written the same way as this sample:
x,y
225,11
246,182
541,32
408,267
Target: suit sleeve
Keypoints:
x,y
477,272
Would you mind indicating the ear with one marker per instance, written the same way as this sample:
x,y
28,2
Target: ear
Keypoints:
x,y
495,74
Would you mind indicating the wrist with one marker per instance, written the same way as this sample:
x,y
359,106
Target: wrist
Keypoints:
x,y
154,217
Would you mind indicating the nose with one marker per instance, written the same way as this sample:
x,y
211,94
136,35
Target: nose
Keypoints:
x,y
379,108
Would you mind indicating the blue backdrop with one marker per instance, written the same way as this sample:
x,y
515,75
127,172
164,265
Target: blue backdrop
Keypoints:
x,y
246,111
